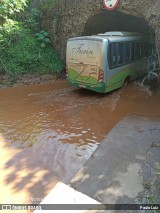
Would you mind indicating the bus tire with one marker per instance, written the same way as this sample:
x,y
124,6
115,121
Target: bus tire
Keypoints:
x,y
126,82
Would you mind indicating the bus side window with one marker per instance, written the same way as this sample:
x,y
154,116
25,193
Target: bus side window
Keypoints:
x,y
145,49
126,52
113,55
138,50
132,51
120,53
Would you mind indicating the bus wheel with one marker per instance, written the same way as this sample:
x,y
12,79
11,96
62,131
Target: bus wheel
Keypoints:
x,y
126,82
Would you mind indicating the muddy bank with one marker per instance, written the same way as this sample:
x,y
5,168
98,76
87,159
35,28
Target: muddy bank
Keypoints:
x,y
29,79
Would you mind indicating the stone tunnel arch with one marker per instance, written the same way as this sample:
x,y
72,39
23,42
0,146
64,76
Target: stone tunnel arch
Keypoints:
x,y
71,18
116,21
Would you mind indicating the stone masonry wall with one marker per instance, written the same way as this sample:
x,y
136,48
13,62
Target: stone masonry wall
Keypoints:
x,y
68,18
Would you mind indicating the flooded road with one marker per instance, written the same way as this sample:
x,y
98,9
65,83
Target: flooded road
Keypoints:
x,y
47,132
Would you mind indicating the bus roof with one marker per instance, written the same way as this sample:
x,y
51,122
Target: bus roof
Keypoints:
x,y
120,33
113,37
104,37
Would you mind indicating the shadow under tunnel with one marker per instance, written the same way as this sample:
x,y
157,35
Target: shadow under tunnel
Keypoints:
x,y
116,21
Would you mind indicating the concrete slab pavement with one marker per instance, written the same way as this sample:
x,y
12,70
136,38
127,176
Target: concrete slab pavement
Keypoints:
x,y
63,194
122,170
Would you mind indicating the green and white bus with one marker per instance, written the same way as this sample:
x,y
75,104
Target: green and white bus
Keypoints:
x,y
108,61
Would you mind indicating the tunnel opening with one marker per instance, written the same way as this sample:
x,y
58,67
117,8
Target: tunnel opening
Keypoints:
x,y
116,21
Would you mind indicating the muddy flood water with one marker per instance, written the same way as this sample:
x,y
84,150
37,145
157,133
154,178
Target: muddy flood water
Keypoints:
x,y
47,132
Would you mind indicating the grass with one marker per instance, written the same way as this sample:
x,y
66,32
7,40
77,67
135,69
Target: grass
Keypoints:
x,y
152,199
26,56
24,50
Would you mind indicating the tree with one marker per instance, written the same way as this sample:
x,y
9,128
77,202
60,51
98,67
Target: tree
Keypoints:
x,y
8,8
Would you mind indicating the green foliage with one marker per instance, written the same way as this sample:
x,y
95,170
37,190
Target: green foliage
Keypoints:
x,y
10,7
153,200
43,38
46,5
31,18
158,178
147,185
10,32
21,49
26,56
